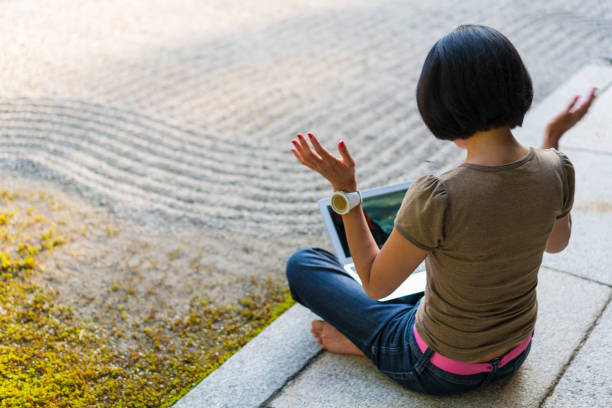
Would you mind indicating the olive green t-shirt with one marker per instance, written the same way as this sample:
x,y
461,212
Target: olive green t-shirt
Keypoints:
x,y
486,228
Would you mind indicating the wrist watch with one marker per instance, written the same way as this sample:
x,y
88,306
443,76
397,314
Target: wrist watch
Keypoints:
x,y
343,202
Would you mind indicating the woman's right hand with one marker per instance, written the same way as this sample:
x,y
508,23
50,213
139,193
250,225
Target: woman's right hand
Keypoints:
x,y
340,171
566,119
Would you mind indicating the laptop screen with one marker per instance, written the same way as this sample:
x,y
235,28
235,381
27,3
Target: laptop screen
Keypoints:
x,y
380,213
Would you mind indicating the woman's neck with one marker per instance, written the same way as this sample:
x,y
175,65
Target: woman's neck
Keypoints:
x,y
494,147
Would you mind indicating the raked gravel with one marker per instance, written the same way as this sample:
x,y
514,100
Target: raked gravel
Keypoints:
x,y
182,112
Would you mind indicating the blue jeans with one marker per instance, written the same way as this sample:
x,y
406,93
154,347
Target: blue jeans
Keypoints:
x,y
382,330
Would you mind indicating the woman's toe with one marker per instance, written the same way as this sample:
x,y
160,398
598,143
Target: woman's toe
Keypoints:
x,y
317,327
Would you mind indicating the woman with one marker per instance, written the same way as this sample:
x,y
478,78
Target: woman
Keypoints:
x,y
481,229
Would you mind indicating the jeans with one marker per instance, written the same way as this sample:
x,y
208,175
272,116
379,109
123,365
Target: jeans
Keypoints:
x,y
382,330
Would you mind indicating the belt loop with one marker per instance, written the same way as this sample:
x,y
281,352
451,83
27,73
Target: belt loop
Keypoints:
x,y
494,366
423,360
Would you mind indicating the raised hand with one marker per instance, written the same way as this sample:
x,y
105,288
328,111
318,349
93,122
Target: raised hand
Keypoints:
x,y
340,171
566,119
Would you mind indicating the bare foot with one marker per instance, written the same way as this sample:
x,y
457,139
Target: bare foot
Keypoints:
x,y
332,340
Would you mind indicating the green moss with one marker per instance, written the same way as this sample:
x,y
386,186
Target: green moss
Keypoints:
x,y
111,232
49,358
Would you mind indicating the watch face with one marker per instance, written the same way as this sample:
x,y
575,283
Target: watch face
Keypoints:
x,y
342,202
339,203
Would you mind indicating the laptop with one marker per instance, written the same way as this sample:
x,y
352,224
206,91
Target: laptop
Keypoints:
x,y
380,205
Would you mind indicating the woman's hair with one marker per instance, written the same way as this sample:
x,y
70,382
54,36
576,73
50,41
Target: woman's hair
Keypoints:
x,y
473,79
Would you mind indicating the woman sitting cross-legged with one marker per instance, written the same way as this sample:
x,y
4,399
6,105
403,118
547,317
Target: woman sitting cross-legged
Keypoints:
x,y
481,229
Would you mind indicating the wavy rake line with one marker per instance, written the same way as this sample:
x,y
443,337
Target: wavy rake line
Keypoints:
x,y
172,153
186,162
125,120
72,147
137,201
185,188
226,201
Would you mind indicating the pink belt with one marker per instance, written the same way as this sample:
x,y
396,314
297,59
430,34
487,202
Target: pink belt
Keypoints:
x,y
462,368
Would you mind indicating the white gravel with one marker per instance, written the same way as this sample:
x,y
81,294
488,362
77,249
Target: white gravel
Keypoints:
x,y
181,112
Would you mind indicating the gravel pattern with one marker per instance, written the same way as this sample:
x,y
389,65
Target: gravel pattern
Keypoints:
x,y
182,112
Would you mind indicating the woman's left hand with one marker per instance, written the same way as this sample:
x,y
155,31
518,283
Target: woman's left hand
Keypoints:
x,y
339,171
566,119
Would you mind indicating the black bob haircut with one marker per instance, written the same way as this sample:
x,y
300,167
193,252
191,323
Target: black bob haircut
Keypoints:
x,y
473,79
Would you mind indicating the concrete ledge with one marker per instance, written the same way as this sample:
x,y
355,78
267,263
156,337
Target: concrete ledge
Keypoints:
x,y
588,380
568,306
260,368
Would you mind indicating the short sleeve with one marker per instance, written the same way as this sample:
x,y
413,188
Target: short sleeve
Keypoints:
x,y
568,179
420,218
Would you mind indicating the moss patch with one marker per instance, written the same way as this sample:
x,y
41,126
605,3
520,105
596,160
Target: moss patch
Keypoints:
x,y
52,357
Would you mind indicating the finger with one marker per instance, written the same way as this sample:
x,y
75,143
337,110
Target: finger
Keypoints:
x,y
346,156
307,152
572,103
323,152
304,155
591,96
298,151
297,145
584,107
299,157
